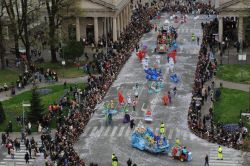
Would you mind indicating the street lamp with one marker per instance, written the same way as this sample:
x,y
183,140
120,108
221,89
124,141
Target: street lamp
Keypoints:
x,y
25,105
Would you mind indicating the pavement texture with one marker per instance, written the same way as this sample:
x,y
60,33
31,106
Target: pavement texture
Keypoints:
x,y
99,141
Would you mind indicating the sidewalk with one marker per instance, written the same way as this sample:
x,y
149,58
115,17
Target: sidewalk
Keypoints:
x,y
7,95
233,85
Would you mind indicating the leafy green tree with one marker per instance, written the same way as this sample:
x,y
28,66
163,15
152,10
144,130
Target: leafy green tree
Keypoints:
x,y
72,50
37,108
2,113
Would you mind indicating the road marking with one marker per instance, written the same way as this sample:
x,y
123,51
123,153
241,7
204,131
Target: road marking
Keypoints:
x,y
86,132
170,133
178,133
121,131
127,132
99,132
156,131
185,135
107,131
113,131
93,132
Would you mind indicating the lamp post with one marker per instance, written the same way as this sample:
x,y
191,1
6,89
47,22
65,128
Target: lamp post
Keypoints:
x,y
25,105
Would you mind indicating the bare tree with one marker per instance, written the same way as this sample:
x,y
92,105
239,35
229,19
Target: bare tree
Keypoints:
x,y
53,8
9,6
2,48
19,12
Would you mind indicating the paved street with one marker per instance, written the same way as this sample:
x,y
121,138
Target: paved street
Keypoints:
x,y
99,141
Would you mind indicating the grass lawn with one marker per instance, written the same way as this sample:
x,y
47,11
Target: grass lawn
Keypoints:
x,y
227,109
69,71
233,73
13,106
8,76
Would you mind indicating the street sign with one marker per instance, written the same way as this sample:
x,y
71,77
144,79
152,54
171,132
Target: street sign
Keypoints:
x,y
26,105
242,57
63,63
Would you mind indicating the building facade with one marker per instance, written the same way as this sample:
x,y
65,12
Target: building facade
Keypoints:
x,y
239,9
93,19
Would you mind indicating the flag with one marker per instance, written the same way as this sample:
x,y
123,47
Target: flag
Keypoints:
x,y
120,97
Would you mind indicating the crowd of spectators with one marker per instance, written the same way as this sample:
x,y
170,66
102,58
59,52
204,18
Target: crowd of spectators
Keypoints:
x,y
189,7
204,90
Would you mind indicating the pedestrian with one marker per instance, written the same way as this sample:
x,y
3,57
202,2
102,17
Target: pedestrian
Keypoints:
x,y
198,40
162,128
12,153
26,157
206,161
175,90
10,127
134,104
7,62
220,156
114,160
169,97
129,162
132,124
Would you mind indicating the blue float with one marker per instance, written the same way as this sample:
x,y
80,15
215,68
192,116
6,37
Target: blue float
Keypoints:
x,y
144,139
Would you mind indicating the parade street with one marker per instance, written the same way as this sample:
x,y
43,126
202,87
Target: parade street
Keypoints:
x,y
99,140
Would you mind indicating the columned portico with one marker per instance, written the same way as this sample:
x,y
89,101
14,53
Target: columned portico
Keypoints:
x,y
77,29
220,29
96,29
114,29
89,21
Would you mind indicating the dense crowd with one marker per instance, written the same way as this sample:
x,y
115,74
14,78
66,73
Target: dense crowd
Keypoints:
x,y
204,90
60,148
189,7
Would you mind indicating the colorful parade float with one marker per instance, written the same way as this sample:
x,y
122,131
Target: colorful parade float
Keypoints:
x,y
165,38
180,153
143,138
154,77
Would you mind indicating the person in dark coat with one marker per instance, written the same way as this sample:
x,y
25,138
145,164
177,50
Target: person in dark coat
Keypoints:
x,y
26,157
129,162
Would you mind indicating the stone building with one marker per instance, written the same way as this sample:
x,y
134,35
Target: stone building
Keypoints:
x,y
240,9
93,19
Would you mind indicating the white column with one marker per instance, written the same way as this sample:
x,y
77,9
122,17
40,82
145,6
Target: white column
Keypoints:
x,y
118,26
220,29
124,18
77,29
127,14
240,30
121,21
96,29
114,29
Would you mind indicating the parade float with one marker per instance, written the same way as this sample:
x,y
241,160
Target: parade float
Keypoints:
x,y
144,139
180,153
154,77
